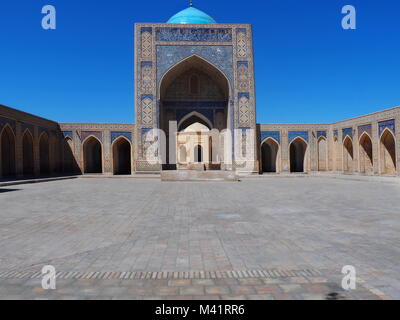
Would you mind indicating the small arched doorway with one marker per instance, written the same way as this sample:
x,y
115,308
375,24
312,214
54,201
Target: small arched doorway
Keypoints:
x,y
27,154
121,156
366,159
388,153
297,155
92,156
44,155
269,155
7,152
348,155
322,154
198,154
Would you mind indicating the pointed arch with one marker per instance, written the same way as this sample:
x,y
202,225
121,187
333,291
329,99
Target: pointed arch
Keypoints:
x,y
183,123
366,160
122,151
92,155
44,154
182,65
27,153
7,148
387,152
269,155
297,150
348,154
322,154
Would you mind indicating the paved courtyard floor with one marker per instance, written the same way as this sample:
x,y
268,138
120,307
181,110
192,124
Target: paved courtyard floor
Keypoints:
x,y
261,238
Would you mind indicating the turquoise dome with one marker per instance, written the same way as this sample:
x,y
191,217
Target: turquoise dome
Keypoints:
x,y
191,15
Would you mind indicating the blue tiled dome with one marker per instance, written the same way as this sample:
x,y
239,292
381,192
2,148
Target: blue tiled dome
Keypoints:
x,y
191,15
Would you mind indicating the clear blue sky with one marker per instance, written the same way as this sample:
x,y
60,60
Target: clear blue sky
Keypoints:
x,y
308,69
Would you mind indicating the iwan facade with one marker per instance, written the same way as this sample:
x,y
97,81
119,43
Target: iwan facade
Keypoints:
x,y
195,109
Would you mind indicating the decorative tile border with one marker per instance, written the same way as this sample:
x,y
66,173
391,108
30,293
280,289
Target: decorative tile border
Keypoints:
x,y
194,34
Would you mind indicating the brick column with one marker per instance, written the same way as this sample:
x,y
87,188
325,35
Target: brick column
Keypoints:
x,y
375,148
356,150
285,151
107,152
340,151
313,157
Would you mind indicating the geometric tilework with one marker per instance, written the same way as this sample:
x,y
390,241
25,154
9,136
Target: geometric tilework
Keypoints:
x,y
147,109
117,134
276,135
294,134
241,43
390,124
347,132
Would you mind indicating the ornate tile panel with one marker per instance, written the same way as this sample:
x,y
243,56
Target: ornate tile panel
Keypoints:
x,y
219,56
195,104
147,109
276,135
97,134
365,128
389,124
321,133
241,42
116,134
347,132
194,34
294,134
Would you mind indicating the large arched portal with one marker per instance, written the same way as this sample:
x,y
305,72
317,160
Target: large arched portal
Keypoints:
x,y
387,153
27,154
44,154
297,155
92,156
348,155
7,152
193,91
121,156
269,155
366,159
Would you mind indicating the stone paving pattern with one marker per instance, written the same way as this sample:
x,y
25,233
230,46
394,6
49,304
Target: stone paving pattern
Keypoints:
x,y
133,225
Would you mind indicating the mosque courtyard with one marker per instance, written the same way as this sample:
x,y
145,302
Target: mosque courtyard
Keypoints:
x,y
265,237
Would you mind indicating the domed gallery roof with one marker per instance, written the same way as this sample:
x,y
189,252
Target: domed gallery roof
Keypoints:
x,y
191,15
